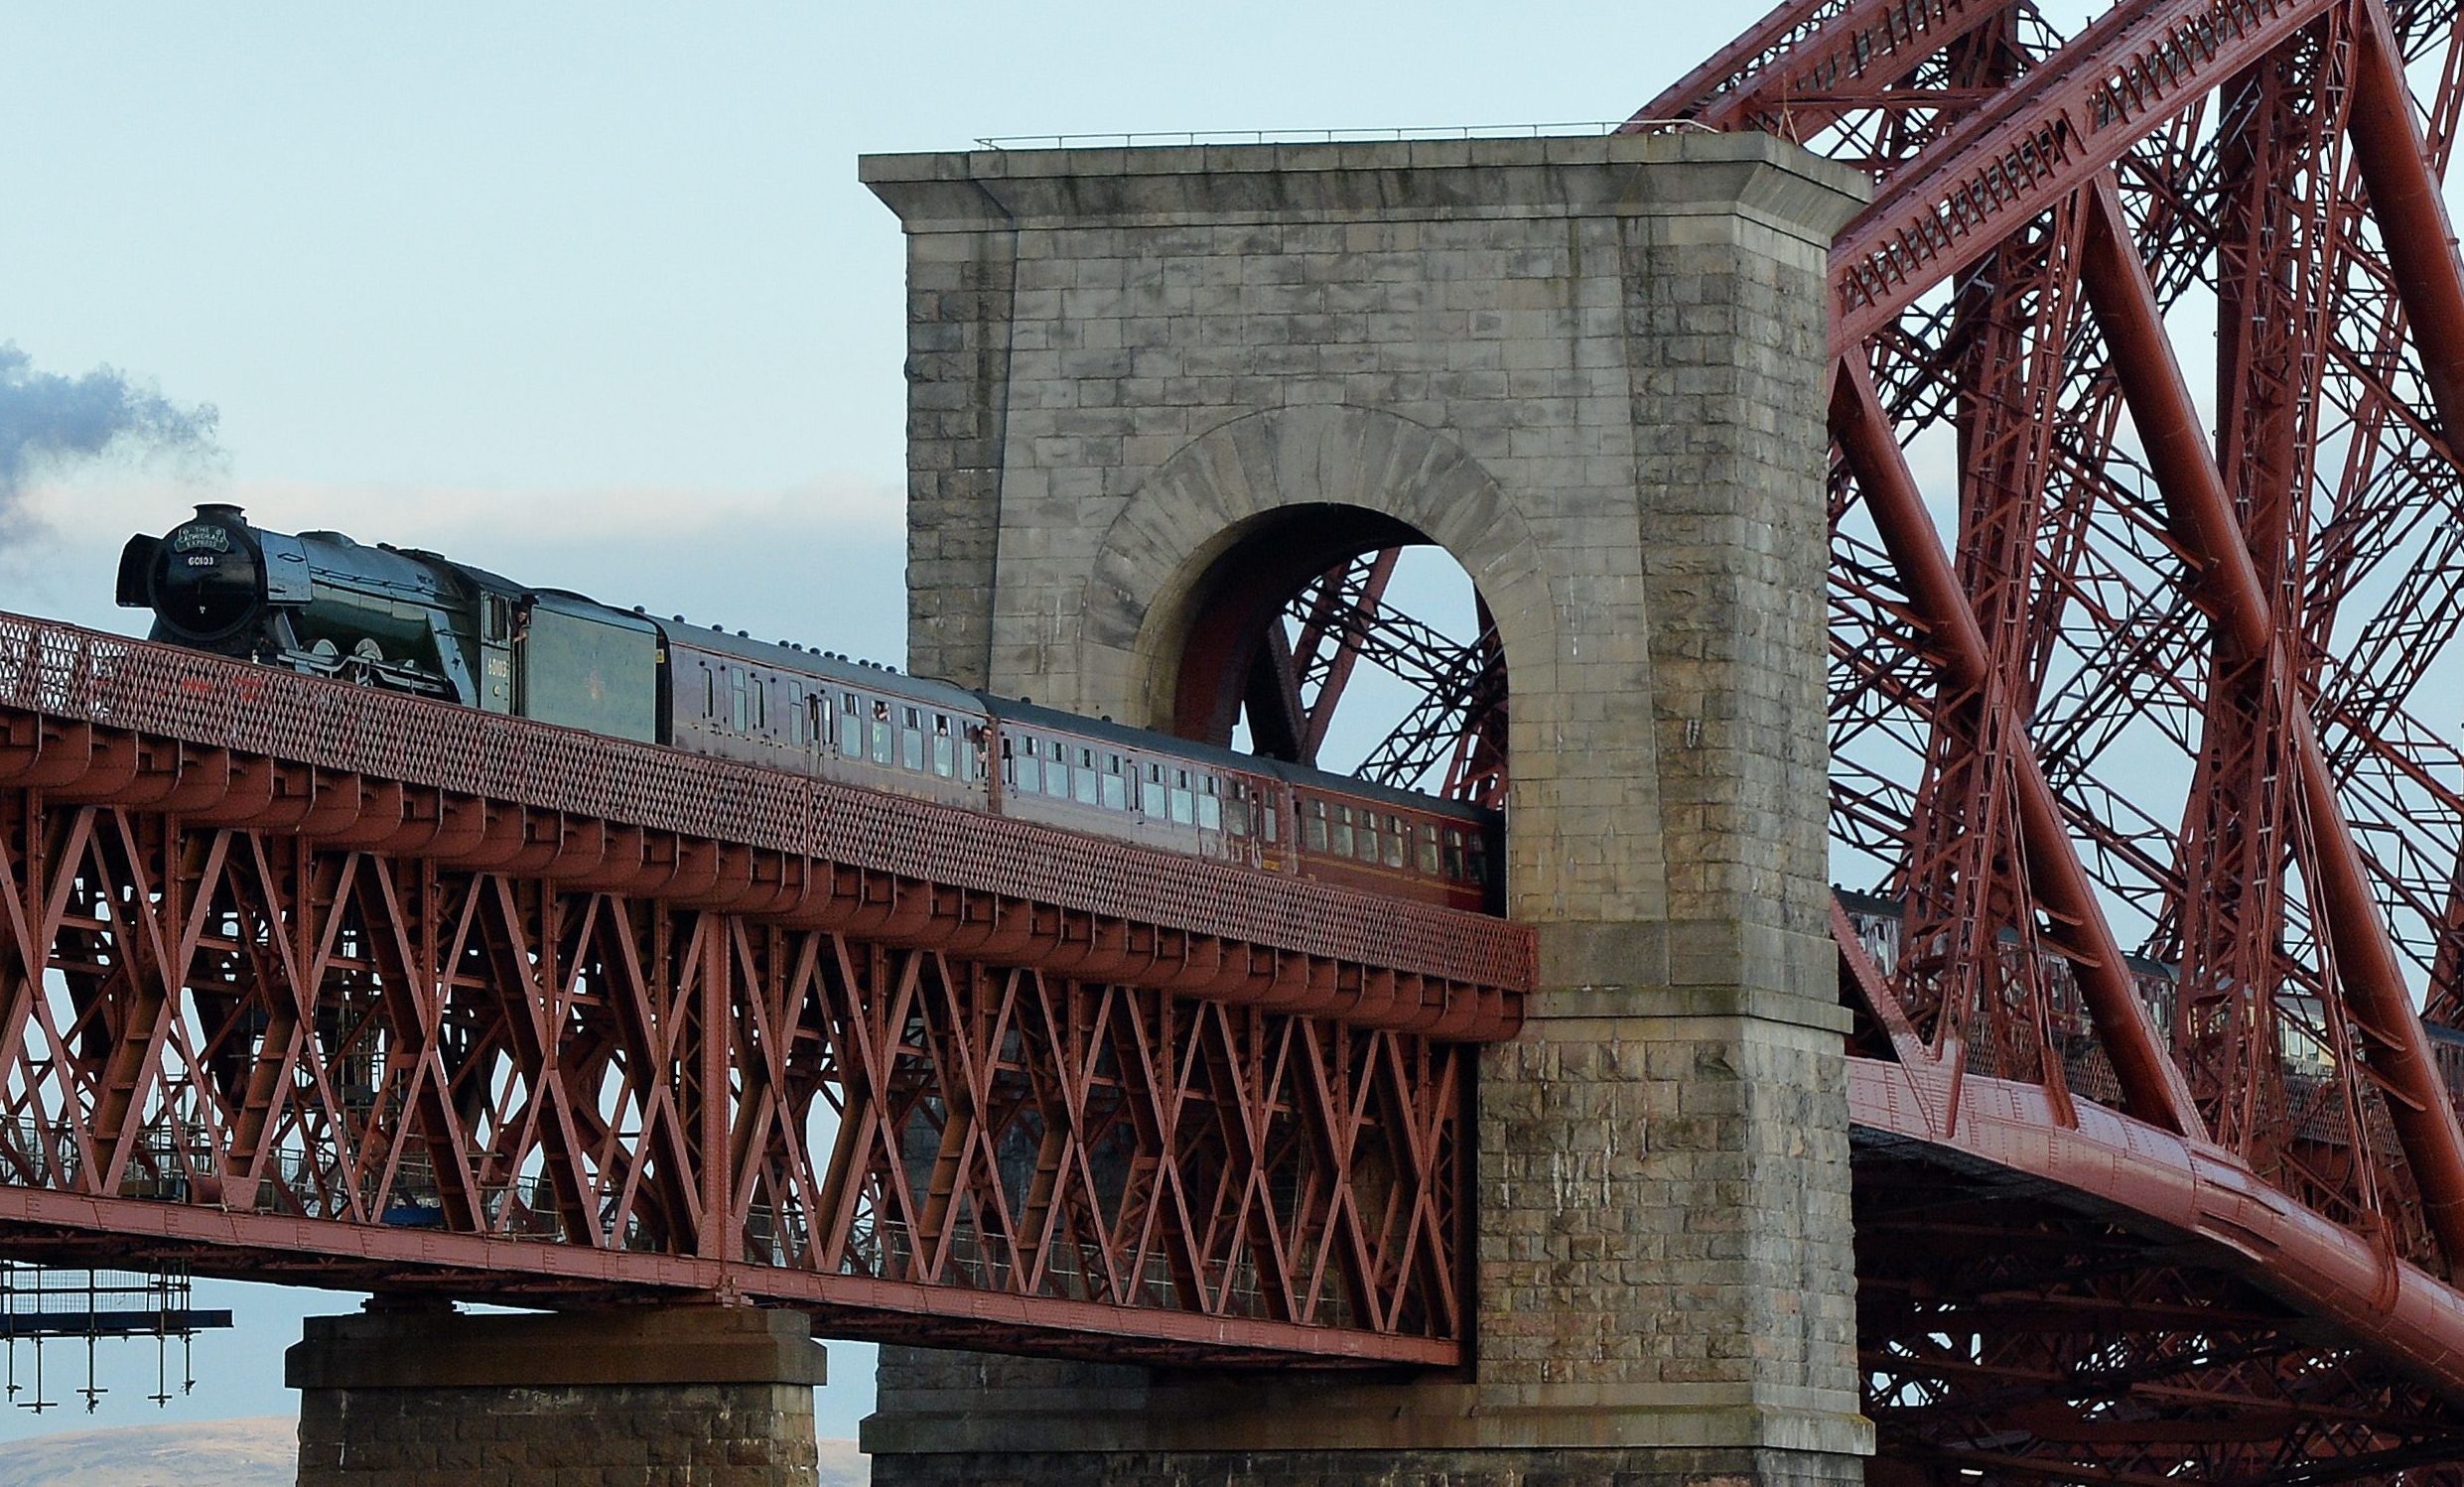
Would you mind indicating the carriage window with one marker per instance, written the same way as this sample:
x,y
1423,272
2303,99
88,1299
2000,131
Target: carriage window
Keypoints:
x,y
881,732
1057,771
979,751
850,727
1313,823
1269,815
1116,786
735,686
710,691
1428,848
1027,769
1454,854
1398,841
1211,806
1476,860
1340,840
795,712
760,689
1367,845
1236,810
1154,797
1184,808
1087,778
911,739
944,749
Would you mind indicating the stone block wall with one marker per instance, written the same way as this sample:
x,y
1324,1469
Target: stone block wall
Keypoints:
x,y
959,300
695,1396
1593,371
1663,1228
641,1435
1117,356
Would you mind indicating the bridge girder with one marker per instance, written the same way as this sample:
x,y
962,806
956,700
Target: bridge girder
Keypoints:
x,y
307,982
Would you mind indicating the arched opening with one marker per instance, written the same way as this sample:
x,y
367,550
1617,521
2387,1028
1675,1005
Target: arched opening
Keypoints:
x,y
1345,639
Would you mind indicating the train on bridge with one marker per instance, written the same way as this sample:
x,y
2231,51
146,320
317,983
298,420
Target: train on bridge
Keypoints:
x,y
416,621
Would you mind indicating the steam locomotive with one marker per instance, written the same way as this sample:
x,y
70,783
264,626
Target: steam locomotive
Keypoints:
x,y
416,621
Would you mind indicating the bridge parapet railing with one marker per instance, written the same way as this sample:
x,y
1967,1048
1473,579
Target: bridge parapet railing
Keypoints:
x,y
2309,1106
1462,974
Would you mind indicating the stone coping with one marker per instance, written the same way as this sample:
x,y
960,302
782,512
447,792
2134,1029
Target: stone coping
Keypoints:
x,y
1646,174
648,1345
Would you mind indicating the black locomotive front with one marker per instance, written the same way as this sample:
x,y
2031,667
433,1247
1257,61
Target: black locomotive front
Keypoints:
x,y
204,580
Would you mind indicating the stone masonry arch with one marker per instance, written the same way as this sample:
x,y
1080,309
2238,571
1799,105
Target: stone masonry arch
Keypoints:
x,y
1176,528
1146,582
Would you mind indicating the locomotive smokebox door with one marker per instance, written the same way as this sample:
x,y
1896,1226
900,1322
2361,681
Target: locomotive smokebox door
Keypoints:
x,y
204,582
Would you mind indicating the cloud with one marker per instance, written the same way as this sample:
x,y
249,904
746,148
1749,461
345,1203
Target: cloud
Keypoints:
x,y
49,421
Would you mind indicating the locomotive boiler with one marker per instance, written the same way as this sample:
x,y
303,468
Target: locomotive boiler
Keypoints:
x,y
408,621
420,623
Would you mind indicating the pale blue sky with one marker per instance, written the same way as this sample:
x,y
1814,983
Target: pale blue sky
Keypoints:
x,y
589,295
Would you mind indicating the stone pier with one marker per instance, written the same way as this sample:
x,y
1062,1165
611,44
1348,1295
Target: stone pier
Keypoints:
x,y
668,1396
1593,371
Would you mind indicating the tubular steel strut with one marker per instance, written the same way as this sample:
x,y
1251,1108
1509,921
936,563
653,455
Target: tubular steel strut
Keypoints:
x,y
2146,767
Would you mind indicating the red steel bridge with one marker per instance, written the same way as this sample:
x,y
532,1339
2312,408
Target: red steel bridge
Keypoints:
x,y
2158,1169
309,982
2148,780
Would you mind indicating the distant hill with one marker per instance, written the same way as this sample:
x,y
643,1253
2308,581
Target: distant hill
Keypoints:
x,y
843,1466
260,1452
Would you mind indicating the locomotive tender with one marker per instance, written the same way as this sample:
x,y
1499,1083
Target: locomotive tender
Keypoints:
x,y
419,623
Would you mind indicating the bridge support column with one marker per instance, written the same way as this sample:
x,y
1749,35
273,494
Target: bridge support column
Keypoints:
x,y
714,1396
1591,369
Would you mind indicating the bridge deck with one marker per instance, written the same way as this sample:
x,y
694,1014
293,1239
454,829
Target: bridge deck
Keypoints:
x,y
305,981
92,717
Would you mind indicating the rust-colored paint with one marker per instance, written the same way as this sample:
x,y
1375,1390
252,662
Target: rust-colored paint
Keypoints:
x,y
299,977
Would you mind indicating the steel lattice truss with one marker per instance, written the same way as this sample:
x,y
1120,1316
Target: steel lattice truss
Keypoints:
x,y
2033,1342
2160,326
304,980
1453,740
